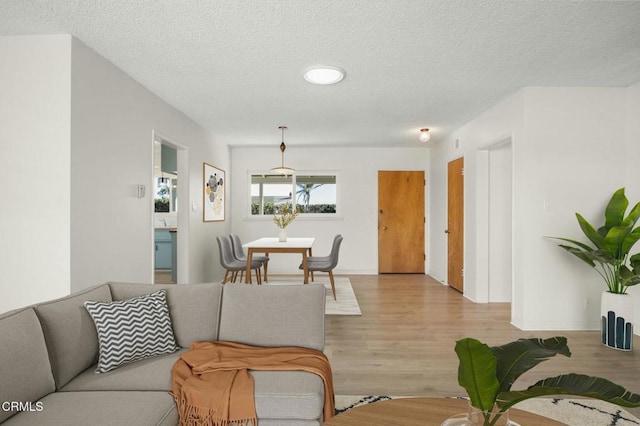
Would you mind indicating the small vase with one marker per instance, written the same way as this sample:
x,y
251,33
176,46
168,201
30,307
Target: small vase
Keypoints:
x,y
617,321
282,237
477,417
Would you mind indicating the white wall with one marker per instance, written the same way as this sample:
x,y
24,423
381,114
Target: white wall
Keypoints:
x,y
633,171
505,120
567,146
35,176
575,138
79,139
357,170
500,203
113,120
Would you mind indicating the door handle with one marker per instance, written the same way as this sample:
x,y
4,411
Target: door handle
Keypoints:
x,y
384,228
446,231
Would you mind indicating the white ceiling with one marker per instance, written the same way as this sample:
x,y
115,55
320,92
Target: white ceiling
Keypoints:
x,y
235,66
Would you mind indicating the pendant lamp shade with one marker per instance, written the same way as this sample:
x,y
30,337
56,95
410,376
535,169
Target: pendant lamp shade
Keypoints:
x,y
282,170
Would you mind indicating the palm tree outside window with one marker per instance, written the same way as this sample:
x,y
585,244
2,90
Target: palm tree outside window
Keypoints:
x,y
310,194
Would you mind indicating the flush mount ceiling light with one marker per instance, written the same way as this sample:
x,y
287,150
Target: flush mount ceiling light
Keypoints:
x,y
324,75
282,170
424,135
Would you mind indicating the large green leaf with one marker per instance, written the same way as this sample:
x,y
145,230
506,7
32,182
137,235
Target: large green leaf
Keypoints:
x,y
590,232
477,372
614,239
579,254
630,240
633,216
520,356
577,243
600,256
629,277
573,384
614,213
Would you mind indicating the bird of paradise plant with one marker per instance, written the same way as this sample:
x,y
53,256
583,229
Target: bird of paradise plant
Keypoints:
x,y
612,244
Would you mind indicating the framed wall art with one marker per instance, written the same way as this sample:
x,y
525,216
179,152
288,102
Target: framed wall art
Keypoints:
x,y
214,184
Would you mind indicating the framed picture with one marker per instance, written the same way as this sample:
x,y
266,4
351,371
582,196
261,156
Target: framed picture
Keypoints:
x,y
214,182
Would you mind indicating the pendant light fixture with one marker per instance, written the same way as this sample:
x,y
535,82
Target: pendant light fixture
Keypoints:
x,y
282,170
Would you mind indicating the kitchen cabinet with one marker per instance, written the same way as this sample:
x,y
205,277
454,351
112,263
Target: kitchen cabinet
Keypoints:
x,y
164,256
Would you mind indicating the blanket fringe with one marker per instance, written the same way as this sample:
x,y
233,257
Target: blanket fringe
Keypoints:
x,y
193,415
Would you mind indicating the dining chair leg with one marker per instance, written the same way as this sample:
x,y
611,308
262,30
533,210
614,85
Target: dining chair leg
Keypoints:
x,y
258,276
333,285
226,274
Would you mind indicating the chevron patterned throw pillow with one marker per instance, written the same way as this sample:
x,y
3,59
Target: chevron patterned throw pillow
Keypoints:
x,y
132,329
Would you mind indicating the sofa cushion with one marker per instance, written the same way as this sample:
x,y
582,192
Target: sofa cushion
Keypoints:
x,y
288,395
70,334
132,329
101,409
194,308
151,374
25,372
291,315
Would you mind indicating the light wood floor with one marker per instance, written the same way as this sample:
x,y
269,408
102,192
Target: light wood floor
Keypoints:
x,y
403,344
163,277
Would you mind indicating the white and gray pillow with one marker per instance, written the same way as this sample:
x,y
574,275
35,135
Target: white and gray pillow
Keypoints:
x,y
132,329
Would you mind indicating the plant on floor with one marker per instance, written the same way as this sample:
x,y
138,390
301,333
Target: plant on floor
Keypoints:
x,y
612,243
286,216
487,374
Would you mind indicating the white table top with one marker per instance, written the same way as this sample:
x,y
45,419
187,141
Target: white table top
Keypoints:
x,y
272,242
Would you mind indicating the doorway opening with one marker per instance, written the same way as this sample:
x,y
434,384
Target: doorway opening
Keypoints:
x,y
495,222
170,201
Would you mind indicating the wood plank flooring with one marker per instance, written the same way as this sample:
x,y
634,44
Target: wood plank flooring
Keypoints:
x,y
403,344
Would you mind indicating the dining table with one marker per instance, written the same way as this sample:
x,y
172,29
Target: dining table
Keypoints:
x,y
268,245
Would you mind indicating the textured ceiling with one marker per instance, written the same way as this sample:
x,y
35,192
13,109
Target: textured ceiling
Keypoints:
x,y
235,66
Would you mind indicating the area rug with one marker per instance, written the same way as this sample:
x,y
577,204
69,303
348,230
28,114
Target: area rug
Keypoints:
x,y
573,412
346,303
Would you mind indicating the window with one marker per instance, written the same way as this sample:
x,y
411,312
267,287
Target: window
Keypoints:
x,y
309,193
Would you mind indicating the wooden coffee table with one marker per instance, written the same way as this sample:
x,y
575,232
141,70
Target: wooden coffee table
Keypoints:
x,y
421,412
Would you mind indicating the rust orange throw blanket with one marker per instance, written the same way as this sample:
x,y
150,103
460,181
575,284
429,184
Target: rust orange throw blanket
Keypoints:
x,y
212,385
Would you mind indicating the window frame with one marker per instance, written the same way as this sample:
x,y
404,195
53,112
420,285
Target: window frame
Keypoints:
x,y
294,187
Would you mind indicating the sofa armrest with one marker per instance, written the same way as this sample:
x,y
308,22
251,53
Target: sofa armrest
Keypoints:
x,y
273,315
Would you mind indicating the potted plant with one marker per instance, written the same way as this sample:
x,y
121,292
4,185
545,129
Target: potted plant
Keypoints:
x,y
609,255
282,220
487,374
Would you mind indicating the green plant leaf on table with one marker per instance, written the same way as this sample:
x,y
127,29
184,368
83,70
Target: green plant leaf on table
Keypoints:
x,y
516,358
576,385
477,372
487,374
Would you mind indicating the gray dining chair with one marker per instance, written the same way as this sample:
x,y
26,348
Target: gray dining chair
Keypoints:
x,y
231,264
240,255
326,263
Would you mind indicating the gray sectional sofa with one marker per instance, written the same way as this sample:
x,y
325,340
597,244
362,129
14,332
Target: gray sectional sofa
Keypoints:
x,y
48,354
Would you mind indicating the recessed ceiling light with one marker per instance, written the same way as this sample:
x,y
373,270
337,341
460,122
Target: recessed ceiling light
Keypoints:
x,y
324,74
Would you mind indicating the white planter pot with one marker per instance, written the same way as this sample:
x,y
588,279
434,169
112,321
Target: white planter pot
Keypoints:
x,y
282,237
617,321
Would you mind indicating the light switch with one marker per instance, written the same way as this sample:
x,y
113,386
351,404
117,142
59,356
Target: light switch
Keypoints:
x,y
140,191
194,206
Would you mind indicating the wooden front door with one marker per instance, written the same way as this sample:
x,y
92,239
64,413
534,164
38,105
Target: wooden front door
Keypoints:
x,y
401,222
455,224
